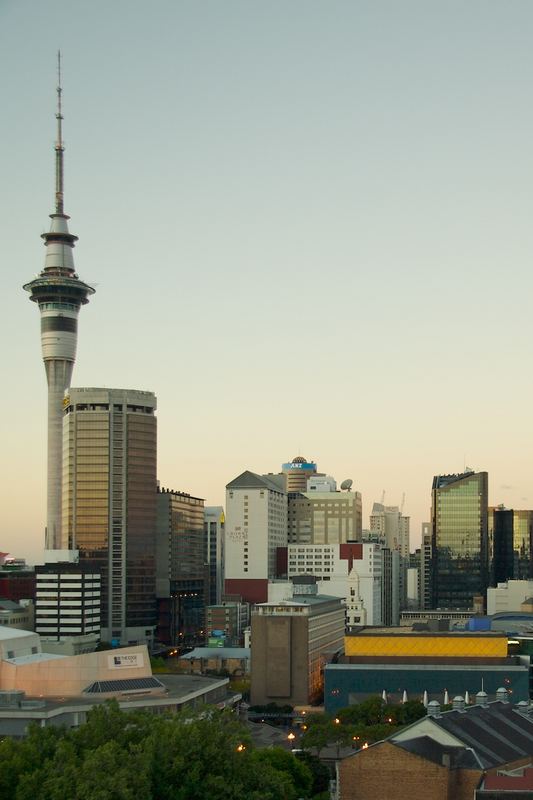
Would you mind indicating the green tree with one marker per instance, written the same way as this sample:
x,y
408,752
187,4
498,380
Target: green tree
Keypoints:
x,y
140,756
317,737
319,772
282,761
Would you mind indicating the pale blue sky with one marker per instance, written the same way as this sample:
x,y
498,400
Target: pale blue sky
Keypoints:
x,y
309,226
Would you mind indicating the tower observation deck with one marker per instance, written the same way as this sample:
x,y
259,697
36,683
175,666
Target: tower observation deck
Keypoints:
x,y
59,293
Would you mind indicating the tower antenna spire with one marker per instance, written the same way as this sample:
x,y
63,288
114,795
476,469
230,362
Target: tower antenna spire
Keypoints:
x,y
59,147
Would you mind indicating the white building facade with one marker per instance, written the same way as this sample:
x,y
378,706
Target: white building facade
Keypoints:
x,y
256,526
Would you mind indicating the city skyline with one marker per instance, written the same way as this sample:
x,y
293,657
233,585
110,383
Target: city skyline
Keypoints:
x,y
308,229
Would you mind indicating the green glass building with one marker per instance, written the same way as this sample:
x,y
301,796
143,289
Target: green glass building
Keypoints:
x,y
459,515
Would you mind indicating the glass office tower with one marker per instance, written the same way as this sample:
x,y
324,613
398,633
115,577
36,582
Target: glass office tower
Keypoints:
x,y
460,558
109,502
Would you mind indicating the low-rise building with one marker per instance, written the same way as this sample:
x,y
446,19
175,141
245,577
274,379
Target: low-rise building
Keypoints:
x,y
60,690
508,596
443,756
17,615
419,664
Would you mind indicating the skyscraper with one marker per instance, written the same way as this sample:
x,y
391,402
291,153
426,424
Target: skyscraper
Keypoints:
x,y
459,519
59,293
181,570
109,502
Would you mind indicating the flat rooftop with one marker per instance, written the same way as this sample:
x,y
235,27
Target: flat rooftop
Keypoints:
x,y
179,688
407,631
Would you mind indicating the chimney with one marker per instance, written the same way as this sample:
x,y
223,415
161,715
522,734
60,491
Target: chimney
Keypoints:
x,y
458,703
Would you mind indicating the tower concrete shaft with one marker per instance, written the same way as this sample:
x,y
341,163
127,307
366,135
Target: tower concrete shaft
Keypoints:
x,y
59,293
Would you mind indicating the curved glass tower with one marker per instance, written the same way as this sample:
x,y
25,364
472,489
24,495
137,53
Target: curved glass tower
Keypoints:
x,y
59,293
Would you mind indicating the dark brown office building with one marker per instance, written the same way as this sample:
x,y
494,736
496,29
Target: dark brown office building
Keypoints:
x,y
291,640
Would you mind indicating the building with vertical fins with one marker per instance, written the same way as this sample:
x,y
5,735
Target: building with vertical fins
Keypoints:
x,y
59,293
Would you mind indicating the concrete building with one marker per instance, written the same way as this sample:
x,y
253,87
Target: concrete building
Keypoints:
x,y
17,615
17,584
436,620
215,535
460,547
508,596
109,502
425,566
413,586
225,623
67,607
256,526
325,517
390,522
235,661
351,571
52,689
291,641
393,579
59,293
297,472
182,572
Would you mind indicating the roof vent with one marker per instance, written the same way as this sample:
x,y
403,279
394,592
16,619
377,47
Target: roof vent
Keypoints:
x,y
458,703
522,707
434,709
482,699
502,695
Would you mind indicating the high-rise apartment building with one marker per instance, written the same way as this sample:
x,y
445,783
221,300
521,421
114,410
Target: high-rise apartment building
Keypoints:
x,y
182,572
460,548
109,502
256,526
214,529
297,472
59,293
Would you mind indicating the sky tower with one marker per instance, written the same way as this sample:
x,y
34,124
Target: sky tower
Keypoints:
x,y
59,294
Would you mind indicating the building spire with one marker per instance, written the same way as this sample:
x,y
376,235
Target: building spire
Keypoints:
x,y
59,147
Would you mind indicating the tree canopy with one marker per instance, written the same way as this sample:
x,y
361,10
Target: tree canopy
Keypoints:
x,y
140,756
360,724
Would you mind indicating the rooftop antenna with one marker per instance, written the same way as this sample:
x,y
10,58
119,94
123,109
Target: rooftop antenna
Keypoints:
x,y
59,147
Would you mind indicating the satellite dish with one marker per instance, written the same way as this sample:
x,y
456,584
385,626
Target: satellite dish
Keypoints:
x,y
347,484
